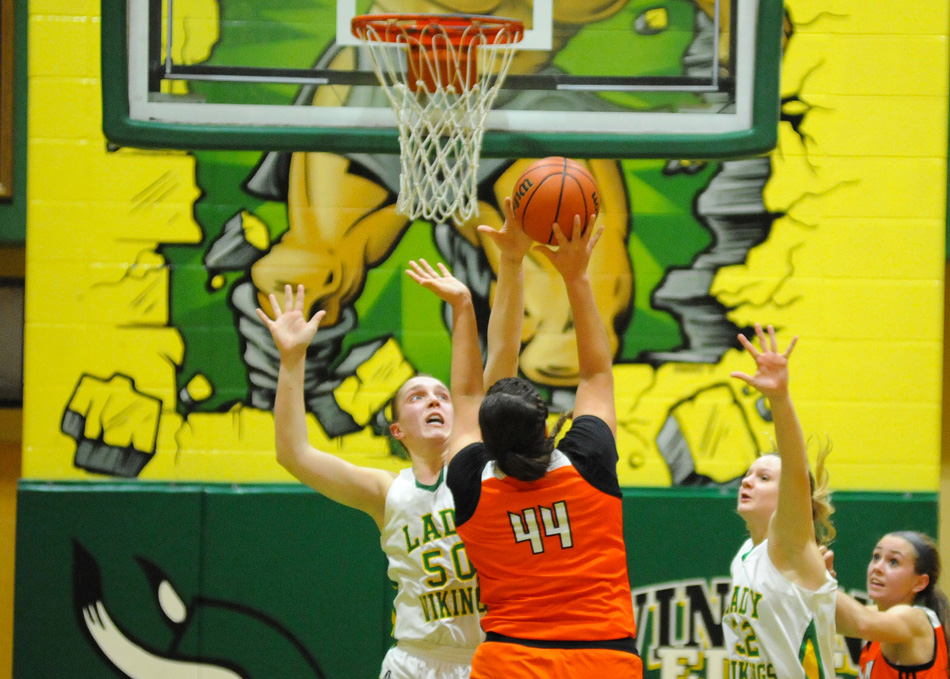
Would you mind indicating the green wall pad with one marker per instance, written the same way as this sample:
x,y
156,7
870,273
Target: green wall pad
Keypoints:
x,y
260,582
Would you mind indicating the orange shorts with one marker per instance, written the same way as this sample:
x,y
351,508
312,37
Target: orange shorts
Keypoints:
x,y
513,661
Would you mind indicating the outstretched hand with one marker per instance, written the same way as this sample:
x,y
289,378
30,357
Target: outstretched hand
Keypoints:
x,y
511,239
291,331
446,286
771,377
572,254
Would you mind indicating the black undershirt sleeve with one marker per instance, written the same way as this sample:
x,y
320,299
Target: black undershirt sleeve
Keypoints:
x,y
591,447
465,480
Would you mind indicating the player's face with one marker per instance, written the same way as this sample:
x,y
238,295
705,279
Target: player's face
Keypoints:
x,y
425,412
758,494
892,579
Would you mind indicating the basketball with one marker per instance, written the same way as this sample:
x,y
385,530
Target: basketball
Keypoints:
x,y
554,190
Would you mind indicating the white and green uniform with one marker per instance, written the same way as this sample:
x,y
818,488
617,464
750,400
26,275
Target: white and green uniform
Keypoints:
x,y
773,628
437,601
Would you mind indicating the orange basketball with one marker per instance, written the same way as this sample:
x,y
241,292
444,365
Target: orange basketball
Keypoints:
x,y
554,190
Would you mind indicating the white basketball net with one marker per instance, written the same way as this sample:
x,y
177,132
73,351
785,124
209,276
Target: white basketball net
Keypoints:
x,y
440,112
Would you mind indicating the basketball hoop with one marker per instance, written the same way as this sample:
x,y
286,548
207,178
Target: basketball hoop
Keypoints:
x,y
441,74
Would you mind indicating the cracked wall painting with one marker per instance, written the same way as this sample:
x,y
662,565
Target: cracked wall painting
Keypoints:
x,y
156,367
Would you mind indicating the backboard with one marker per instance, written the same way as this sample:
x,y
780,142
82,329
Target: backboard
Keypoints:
x,y
627,79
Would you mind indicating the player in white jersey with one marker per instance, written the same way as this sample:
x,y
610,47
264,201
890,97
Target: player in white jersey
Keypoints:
x,y
437,605
437,622
780,620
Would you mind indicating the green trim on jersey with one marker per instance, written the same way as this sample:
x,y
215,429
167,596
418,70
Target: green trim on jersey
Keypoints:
x,y
435,486
810,654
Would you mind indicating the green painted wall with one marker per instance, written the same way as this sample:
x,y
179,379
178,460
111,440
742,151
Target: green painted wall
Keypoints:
x,y
276,581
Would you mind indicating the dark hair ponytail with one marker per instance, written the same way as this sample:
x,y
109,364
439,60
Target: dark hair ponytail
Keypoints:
x,y
927,562
513,420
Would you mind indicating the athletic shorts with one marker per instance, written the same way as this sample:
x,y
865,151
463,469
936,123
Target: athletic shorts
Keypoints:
x,y
495,660
417,660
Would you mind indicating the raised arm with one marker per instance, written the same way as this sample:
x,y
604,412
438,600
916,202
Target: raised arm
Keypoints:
x,y
792,545
901,624
362,488
507,311
595,390
467,385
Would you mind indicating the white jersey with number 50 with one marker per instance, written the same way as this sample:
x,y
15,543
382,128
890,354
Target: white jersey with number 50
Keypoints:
x,y
437,598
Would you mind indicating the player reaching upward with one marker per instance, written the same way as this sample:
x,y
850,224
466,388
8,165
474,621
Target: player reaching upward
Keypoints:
x,y
544,525
780,619
413,510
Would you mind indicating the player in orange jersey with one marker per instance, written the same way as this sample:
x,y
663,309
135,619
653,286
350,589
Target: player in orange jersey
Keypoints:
x,y
543,525
907,634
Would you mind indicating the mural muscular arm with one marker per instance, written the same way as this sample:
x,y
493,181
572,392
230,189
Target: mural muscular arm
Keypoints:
x,y
340,224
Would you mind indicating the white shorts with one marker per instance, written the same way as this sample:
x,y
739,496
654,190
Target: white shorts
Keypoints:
x,y
418,660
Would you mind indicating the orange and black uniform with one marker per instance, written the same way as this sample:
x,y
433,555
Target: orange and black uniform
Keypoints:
x,y
551,561
875,666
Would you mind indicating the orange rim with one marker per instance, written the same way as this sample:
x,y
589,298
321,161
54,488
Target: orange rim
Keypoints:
x,y
457,27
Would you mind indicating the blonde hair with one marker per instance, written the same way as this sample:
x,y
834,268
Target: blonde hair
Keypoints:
x,y
821,507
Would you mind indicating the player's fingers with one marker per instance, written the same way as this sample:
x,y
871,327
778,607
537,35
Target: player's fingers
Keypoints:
x,y
317,317
744,341
422,268
416,272
299,303
590,224
742,376
427,268
791,345
275,307
773,344
414,276
594,237
288,297
444,269
761,335
267,321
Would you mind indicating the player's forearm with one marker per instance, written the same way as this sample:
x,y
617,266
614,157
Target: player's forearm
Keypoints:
x,y
789,437
894,626
466,353
848,612
593,345
505,321
290,418
793,524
